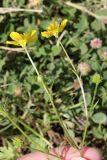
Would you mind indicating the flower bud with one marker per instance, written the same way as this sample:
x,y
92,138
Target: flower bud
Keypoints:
x,y
84,68
76,84
96,43
18,91
96,78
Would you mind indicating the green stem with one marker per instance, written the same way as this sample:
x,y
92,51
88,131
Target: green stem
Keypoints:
x,y
92,103
74,106
32,62
26,126
95,91
76,74
71,141
33,131
82,90
13,123
90,51
85,132
67,56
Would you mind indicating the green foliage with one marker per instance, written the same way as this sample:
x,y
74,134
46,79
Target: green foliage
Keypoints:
x,y
37,144
7,153
17,142
96,25
83,24
100,133
56,50
99,118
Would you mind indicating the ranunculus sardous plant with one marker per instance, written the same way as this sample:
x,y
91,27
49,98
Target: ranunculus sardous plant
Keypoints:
x,y
65,153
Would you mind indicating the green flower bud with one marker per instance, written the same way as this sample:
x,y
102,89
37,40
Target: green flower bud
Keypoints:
x,y
17,142
96,78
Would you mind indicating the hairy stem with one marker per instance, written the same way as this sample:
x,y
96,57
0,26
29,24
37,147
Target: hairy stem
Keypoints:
x,y
13,122
82,90
33,131
92,103
70,140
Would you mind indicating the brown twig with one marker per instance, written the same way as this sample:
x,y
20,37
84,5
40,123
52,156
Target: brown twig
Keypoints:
x,y
14,49
9,10
84,9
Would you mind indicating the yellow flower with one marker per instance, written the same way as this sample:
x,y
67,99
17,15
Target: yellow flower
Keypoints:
x,y
22,39
54,29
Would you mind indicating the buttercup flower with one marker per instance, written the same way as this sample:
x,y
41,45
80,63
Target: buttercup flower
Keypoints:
x,y
22,39
96,43
54,29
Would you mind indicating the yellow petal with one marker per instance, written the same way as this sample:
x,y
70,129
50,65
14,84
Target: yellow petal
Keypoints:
x,y
62,25
50,26
31,36
33,32
46,34
55,34
23,43
16,36
12,42
53,26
